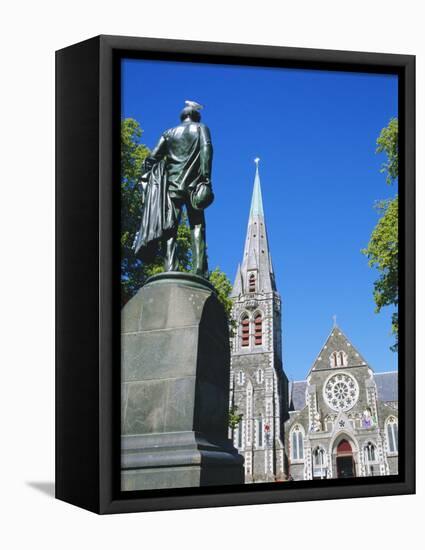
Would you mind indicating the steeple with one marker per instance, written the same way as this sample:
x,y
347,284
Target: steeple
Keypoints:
x,y
259,385
257,199
256,270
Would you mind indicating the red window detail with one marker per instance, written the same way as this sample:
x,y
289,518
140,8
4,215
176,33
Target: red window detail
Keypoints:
x,y
245,332
258,330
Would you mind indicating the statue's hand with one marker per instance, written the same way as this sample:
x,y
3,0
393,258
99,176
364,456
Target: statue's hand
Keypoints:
x,y
147,165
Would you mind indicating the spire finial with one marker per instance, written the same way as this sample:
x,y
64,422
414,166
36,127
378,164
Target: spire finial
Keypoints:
x,y
257,160
334,319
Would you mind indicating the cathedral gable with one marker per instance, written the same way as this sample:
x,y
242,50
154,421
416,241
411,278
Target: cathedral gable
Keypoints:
x,y
338,352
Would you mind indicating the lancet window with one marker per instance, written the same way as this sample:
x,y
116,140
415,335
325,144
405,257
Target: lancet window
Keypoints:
x,y
258,329
245,331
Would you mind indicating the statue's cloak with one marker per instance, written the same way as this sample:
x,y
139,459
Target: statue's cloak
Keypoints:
x,y
158,217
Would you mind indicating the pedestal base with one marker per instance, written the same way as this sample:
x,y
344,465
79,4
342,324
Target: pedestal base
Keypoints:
x,y
181,459
175,387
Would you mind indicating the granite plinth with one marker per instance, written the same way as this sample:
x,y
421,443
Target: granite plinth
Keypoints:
x,y
175,362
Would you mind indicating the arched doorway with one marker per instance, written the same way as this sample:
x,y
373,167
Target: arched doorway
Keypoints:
x,y
344,460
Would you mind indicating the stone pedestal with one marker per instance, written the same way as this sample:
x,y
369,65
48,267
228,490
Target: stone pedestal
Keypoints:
x,y
175,362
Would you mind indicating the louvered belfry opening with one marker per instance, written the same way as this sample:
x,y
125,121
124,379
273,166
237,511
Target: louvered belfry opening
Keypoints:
x,y
245,332
258,329
251,283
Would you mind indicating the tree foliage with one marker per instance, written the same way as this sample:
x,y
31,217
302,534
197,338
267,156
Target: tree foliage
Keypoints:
x,y
133,271
223,287
382,250
387,143
133,152
234,417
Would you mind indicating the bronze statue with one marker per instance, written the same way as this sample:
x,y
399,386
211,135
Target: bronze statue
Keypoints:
x,y
177,174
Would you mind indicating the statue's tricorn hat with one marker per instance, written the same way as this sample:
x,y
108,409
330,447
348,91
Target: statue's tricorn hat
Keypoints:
x,y
191,109
202,196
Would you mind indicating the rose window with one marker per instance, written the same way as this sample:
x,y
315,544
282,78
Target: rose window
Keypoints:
x,y
341,392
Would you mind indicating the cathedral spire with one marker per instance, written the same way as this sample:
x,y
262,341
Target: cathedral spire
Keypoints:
x,y
256,271
257,199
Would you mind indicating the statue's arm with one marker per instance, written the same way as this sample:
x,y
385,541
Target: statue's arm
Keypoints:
x,y
156,154
159,151
206,153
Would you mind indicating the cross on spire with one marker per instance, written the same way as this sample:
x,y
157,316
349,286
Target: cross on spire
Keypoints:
x,y
334,319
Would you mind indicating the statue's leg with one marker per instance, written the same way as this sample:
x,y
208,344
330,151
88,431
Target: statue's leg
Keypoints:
x,y
171,261
198,239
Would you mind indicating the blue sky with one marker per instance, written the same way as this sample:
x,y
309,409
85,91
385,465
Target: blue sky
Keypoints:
x,y
315,132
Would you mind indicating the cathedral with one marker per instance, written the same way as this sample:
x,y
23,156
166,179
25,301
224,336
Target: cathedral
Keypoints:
x,y
342,421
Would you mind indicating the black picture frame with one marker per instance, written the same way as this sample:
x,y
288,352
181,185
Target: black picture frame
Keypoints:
x,y
87,271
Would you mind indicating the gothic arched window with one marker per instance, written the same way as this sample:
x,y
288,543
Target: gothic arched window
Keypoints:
x,y
319,463
241,378
260,430
251,283
258,329
245,331
370,452
371,459
297,443
338,359
260,376
392,434
240,434
319,456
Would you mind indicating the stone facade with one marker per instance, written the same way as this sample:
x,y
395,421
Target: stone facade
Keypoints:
x,y
342,421
258,385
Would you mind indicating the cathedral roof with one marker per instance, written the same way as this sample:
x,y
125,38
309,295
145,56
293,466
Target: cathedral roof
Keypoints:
x,y
387,385
296,393
256,257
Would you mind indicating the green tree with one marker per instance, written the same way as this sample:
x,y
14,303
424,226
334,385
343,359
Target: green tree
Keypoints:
x,y
387,143
133,271
382,250
223,287
133,152
234,417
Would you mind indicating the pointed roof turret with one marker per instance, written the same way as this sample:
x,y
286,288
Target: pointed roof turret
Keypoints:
x,y
238,284
256,263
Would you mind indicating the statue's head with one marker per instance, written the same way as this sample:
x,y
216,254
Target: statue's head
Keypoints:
x,y
190,113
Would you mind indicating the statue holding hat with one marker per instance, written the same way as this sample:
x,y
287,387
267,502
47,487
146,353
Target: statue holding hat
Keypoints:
x,y
177,173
